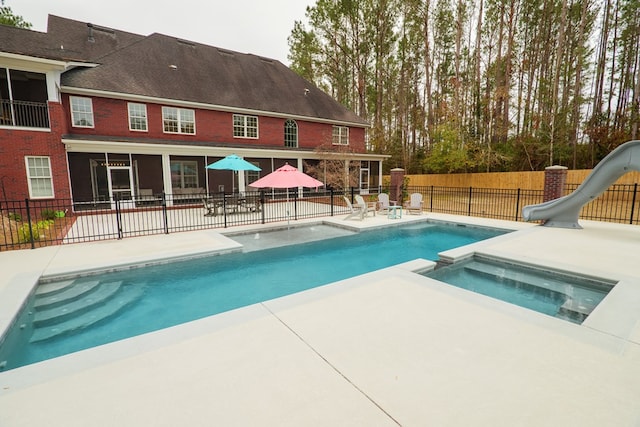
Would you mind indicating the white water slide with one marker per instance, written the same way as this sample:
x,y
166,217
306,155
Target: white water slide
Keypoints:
x,y
564,212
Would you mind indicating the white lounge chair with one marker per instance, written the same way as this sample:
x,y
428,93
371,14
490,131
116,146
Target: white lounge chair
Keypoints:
x,y
414,204
383,202
366,206
355,210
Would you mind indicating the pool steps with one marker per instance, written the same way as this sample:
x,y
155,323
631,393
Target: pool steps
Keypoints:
x,y
576,307
74,306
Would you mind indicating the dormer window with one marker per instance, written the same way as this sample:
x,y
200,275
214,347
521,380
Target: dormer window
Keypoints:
x,y
178,120
245,126
81,112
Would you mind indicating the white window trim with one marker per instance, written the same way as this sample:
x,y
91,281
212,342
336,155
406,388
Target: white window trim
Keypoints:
x,y
146,117
178,115
245,127
296,134
29,177
341,136
73,113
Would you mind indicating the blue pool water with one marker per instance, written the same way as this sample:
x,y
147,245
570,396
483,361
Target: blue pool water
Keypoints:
x,y
160,296
566,296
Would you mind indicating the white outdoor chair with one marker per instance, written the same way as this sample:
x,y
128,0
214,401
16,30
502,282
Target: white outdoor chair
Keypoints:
x,y
366,206
414,204
383,202
355,211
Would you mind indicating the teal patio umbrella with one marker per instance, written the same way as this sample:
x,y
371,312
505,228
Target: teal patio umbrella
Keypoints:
x,y
233,163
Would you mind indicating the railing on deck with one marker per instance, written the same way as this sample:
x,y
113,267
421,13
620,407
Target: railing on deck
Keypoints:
x,y
24,114
34,223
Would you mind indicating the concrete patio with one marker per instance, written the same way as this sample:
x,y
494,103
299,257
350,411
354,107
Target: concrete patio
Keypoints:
x,y
387,348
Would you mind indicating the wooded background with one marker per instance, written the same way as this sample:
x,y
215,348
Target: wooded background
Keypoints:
x,y
479,85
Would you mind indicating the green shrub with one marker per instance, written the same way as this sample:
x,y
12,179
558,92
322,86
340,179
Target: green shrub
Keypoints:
x,y
48,214
15,216
24,233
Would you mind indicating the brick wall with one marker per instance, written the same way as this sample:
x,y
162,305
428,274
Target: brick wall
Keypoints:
x,y
111,119
16,144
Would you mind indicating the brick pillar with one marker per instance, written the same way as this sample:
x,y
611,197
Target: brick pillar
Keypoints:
x,y
397,179
555,178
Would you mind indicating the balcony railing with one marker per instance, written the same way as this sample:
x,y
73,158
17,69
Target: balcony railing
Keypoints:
x,y
24,114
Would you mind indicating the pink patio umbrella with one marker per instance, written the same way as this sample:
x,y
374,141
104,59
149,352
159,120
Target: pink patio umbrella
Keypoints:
x,y
286,177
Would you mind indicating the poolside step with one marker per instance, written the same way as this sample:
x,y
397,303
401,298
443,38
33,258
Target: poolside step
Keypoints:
x,y
62,295
576,309
75,306
126,296
53,287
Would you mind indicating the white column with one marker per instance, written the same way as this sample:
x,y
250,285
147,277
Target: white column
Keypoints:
x,y
166,176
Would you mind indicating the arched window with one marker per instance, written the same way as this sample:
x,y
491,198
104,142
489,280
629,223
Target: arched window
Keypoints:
x,y
290,134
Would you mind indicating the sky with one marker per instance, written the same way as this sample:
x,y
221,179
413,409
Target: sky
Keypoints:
x,y
260,27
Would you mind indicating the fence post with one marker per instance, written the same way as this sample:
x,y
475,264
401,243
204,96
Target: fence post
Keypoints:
x,y
295,205
633,202
31,239
397,185
555,178
118,219
517,205
262,200
165,217
224,209
331,200
431,202
469,208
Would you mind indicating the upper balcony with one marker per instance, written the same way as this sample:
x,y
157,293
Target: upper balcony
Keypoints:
x,y
23,99
24,114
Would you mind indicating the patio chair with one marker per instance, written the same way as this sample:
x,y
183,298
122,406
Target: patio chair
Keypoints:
x,y
366,206
355,211
414,204
209,207
383,203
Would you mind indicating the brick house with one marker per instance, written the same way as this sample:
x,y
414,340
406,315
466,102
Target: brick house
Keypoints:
x,y
92,113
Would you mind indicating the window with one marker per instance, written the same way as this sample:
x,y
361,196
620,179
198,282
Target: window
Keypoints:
x,y
81,112
178,120
340,135
184,174
137,117
290,134
251,176
245,126
39,177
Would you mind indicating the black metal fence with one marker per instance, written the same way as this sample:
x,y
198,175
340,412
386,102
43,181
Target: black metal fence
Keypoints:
x,y
35,223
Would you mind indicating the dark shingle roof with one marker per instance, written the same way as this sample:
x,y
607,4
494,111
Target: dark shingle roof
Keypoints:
x,y
89,42
160,66
65,40
29,43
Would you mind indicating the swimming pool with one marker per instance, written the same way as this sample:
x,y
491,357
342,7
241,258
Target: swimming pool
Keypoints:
x,y
88,311
566,296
